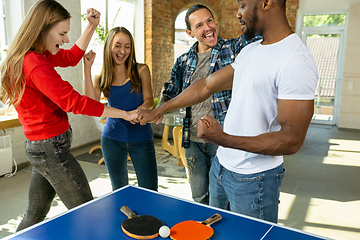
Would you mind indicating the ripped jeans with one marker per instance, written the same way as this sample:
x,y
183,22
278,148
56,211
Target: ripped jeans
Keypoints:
x,y
199,158
55,170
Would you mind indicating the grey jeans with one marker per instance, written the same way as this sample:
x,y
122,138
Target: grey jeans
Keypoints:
x,y
55,171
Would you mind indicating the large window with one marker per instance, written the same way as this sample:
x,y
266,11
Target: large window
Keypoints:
x,y
3,43
3,35
324,35
324,20
114,13
182,40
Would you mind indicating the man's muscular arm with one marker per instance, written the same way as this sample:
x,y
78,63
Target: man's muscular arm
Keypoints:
x,y
294,117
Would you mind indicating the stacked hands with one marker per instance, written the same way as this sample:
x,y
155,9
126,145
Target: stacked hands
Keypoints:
x,y
209,128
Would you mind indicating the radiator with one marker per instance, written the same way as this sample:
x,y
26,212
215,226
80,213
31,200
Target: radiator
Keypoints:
x,y
5,155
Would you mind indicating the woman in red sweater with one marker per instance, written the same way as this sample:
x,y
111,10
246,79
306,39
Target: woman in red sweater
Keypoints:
x,y
42,99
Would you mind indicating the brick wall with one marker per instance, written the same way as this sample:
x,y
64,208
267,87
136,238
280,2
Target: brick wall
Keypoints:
x,y
160,18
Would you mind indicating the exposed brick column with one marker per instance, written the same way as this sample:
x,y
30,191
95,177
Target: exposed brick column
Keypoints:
x,y
159,41
291,10
229,25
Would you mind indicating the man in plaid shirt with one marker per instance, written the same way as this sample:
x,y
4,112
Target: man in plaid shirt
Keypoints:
x,y
209,54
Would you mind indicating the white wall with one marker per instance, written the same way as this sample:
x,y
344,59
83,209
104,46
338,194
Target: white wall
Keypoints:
x,y
315,6
350,95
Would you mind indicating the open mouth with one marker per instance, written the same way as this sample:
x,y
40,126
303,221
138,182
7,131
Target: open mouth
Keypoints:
x,y
209,36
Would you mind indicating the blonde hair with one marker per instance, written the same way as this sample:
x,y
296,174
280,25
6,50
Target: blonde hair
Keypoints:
x,y
106,76
42,17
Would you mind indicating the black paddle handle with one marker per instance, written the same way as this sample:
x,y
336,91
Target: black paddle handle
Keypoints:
x,y
126,210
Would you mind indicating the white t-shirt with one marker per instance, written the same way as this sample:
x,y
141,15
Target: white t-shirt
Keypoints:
x,y
263,74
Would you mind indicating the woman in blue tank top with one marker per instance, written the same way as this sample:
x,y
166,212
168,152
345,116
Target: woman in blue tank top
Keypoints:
x,y
127,86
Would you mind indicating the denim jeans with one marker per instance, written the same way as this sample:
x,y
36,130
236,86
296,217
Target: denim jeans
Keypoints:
x,y
255,195
55,170
199,158
142,156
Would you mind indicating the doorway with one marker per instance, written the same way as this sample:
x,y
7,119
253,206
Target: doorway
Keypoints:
x,y
326,40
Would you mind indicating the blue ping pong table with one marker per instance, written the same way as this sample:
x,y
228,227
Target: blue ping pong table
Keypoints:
x,y
100,219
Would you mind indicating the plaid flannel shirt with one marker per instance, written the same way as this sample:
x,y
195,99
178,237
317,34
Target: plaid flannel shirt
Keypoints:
x,y
223,54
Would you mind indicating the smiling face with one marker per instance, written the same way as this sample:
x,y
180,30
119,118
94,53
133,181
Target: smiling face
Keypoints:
x,y
204,29
248,18
57,36
120,48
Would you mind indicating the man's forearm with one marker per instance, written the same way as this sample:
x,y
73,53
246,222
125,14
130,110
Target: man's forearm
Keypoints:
x,y
201,90
194,94
286,141
274,143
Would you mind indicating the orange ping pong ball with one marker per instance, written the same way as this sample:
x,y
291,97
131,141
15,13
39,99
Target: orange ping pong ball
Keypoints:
x,y
164,231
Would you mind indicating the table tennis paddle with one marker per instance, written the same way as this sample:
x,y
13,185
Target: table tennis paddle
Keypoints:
x,y
140,226
192,230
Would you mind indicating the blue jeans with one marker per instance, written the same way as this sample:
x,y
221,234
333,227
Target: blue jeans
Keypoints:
x,y
255,195
199,158
55,170
142,156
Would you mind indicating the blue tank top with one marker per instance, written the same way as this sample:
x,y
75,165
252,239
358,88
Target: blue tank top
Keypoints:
x,y
119,129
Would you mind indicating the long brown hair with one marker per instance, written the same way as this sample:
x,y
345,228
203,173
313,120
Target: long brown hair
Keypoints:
x,y
106,77
42,17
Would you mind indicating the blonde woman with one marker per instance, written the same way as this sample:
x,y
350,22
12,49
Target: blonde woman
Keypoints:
x,y
42,99
127,86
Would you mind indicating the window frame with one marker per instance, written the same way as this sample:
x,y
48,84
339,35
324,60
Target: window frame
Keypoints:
x,y
3,34
8,115
342,30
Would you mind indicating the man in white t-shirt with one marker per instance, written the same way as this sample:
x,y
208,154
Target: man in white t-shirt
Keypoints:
x,y
273,84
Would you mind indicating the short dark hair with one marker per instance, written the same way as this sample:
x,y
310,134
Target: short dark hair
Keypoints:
x,y
193,9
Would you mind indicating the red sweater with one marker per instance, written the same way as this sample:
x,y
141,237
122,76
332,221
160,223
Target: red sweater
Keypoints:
x,y
43,108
